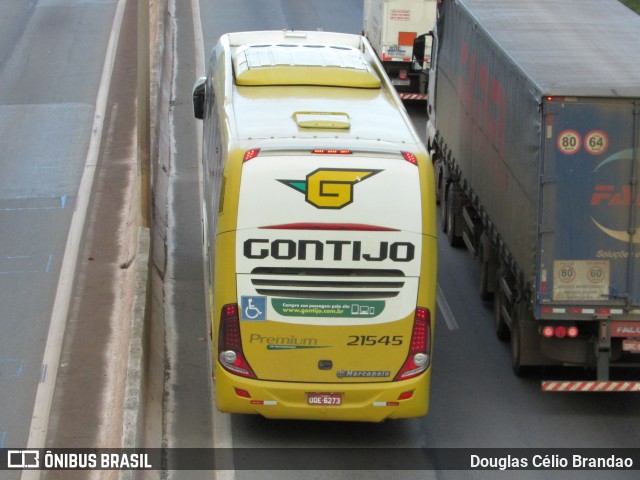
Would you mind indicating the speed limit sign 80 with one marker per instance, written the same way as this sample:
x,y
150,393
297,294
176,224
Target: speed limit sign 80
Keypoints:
x,y
569,142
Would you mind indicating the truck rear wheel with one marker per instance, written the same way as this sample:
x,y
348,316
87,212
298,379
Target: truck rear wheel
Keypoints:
x,y
516,349
501,327
438,170
485,268
452,216
443,207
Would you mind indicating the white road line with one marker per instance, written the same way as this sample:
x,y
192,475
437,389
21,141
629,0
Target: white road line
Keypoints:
x,y
57,325
447,314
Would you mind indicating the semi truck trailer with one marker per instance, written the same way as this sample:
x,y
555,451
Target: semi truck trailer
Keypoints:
x,y
400,33
534,126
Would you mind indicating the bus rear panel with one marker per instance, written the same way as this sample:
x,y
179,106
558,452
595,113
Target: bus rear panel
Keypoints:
x,y
319,223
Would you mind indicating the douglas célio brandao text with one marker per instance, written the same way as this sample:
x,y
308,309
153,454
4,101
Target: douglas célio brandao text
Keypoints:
x,y
533,462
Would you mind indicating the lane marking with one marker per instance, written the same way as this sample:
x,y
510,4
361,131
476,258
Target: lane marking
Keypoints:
x,y
445,309
46,203
47,269
21,264
11,368
51,358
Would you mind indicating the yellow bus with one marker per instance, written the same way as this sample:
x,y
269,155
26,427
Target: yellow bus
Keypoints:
x,y
319,231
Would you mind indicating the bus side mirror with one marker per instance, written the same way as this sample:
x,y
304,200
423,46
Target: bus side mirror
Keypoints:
x,y
198,97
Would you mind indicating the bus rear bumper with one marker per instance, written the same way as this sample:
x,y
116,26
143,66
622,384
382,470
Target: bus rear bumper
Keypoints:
x,y
361,402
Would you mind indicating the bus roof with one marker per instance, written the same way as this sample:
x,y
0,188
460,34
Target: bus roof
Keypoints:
x,y
304,86
291,64
318,113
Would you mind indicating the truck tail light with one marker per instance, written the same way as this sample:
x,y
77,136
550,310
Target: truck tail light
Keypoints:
x,y
572,332
560,331
230,354
419,356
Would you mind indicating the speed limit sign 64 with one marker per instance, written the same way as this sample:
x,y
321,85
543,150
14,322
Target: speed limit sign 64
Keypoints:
x,y
596,142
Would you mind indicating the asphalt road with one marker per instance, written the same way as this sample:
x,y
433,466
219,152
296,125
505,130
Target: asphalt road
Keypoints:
x,y
52,54
67,221
51,58
475,399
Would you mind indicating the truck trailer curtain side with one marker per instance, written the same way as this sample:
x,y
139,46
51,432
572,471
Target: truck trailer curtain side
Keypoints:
x,y
535,126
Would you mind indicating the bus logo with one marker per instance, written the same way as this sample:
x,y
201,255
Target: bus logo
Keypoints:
x,y
330,187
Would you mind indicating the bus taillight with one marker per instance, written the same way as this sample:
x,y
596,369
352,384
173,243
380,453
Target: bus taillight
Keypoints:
x,y
250,154
331,151
230,352
418,358
410,157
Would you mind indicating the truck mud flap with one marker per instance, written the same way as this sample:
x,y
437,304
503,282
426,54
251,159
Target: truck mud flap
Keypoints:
x,y
527,336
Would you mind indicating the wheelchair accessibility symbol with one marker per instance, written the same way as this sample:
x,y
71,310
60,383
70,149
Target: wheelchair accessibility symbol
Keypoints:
x,y
254,308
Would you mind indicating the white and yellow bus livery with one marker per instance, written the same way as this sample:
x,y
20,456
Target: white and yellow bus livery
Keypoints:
x,y
319,231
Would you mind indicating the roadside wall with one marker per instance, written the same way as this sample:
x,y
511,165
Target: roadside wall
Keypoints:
x,y
143,417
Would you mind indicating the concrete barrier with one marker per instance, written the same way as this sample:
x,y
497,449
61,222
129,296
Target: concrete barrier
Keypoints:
x,y
144,389
134,395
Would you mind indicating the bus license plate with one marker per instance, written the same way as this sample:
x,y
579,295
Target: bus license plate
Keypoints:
x,y
324,399
632,346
